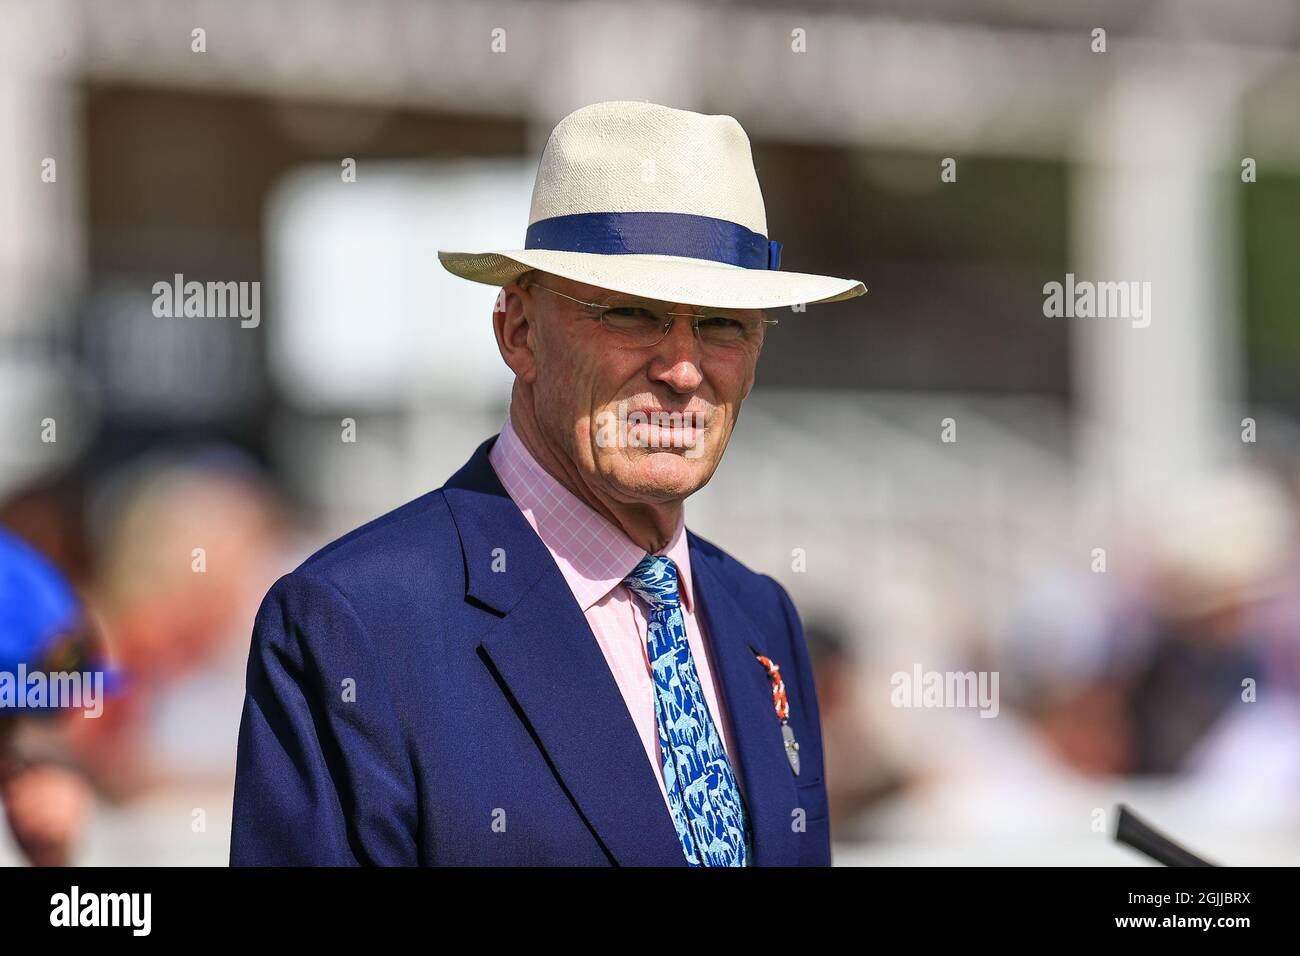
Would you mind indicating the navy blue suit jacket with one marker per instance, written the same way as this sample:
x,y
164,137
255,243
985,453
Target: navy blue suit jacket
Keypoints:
x,y
407,704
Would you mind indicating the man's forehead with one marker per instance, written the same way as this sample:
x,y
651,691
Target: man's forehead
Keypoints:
x,y
572,287
579,290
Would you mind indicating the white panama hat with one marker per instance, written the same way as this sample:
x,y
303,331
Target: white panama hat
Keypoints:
x,y
657,202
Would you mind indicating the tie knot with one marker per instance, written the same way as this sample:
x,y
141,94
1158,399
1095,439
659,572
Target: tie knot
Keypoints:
x,y
654,580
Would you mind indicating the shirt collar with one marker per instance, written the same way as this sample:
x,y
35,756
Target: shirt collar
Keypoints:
x,y
593,554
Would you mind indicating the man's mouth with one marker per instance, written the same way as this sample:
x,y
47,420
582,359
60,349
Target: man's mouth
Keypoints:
x,y
661,428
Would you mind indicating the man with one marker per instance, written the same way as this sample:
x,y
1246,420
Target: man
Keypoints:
x,y
537,663
43,630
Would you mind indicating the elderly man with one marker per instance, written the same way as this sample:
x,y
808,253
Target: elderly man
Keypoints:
x,y
537,663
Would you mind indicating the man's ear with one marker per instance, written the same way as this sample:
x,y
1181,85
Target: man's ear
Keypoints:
x,y
513,321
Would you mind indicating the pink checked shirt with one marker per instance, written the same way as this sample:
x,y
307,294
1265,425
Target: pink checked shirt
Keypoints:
x,y
594,556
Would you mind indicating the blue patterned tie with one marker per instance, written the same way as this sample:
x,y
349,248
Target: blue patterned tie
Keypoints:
x,y
702,793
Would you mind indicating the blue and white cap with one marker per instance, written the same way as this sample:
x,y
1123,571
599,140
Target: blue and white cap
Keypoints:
x,y
41,623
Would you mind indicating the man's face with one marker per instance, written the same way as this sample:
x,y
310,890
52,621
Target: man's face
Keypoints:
x,y
641,423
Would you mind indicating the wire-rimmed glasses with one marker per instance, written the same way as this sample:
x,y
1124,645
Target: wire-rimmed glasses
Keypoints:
x,y
644,327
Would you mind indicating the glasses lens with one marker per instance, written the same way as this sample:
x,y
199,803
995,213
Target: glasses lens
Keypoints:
x,y
642,326
726,329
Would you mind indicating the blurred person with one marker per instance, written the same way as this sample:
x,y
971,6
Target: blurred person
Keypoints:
x,y
183,540
1216,564
527,665
42,631
1058,673
1147,676
859,774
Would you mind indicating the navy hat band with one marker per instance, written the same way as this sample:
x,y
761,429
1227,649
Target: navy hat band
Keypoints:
x,y
656,234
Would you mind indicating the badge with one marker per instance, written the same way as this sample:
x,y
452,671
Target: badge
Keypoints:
x,y
782,704
791,746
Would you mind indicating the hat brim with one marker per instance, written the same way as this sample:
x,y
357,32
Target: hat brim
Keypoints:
x,y
667,278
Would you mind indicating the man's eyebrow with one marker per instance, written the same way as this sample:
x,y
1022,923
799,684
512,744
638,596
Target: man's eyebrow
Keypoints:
x,y
658,304
611,299
611,295
620,300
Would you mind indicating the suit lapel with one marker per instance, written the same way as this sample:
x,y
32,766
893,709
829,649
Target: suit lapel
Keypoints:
x,y
768,782
545,654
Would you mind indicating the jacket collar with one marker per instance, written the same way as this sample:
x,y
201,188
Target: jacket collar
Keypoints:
x,y
593,554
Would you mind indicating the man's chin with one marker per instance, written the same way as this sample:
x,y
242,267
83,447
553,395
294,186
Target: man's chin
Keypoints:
x,y
661,474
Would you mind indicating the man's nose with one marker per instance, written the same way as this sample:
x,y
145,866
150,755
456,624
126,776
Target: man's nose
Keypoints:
x,y
676,360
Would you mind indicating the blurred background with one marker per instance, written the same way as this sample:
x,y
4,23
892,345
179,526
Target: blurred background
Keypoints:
x,y
1112,531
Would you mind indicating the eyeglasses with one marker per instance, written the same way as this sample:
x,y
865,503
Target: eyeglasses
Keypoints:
x,y
644,326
